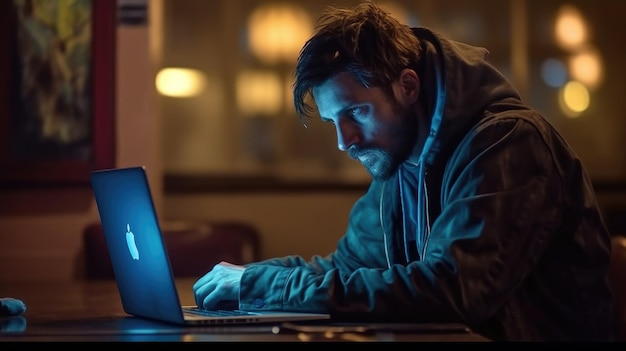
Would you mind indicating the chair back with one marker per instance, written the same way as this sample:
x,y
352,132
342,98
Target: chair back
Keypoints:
x,y
193,247
618,281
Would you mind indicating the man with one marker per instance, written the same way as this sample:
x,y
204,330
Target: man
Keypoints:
x,y
478,211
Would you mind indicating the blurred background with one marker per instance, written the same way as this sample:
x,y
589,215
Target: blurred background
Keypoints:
x,y
202,98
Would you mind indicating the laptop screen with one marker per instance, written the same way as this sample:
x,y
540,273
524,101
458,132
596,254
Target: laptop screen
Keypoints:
x,y
131,229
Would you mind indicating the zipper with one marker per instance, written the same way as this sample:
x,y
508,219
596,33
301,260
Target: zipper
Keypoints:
x,y
427,229
382,225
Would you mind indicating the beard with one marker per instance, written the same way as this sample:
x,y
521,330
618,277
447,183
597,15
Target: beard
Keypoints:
x,y
378,162
383,162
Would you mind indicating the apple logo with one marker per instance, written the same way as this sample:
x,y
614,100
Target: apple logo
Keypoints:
x,y
130,241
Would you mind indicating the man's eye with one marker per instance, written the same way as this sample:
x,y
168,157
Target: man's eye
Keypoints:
x,y
357,113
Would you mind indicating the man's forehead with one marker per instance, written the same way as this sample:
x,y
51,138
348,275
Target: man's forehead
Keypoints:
x,y
332,97
341,86
339,92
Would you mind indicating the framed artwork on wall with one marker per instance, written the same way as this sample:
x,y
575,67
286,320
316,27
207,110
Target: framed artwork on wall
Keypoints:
x,y
57,91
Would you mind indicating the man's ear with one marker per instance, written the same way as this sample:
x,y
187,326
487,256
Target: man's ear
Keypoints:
x,y
409,85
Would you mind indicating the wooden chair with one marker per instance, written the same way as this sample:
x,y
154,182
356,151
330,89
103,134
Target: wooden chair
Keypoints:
x,y
193,247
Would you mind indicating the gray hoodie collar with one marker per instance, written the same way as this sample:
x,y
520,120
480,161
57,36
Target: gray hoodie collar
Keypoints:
x,y
459,84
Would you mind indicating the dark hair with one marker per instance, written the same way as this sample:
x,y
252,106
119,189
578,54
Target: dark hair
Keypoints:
x,y
366,41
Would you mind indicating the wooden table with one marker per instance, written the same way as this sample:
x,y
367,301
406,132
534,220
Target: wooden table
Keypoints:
x,y
92,311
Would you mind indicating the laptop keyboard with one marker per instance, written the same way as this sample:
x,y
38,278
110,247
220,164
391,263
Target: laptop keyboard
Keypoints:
x,y
216,313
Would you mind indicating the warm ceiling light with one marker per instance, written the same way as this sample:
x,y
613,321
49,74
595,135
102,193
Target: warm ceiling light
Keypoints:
x,y
277,32
180,82
571,30
574,99
259,93
586,67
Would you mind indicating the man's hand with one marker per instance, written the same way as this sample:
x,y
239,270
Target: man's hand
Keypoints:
x,y
221,283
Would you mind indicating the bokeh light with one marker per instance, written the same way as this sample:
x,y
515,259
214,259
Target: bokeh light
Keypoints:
x,y
574,99
553,73
180,82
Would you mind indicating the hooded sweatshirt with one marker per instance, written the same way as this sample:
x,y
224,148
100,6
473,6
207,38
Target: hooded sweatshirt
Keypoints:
x,y
496,226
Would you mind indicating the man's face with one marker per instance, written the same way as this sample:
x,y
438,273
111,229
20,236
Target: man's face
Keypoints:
x,y
370,126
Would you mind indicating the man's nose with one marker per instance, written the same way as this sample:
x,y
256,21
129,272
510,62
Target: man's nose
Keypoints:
x,y
347,135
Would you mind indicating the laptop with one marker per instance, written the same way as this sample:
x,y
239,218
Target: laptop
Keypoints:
x,y
140,261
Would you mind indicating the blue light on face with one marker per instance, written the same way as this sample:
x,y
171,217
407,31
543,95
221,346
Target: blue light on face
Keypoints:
x,y
554,73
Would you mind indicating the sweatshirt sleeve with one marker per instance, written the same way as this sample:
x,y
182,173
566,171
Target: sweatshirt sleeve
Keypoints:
x,y
293,283
355,281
